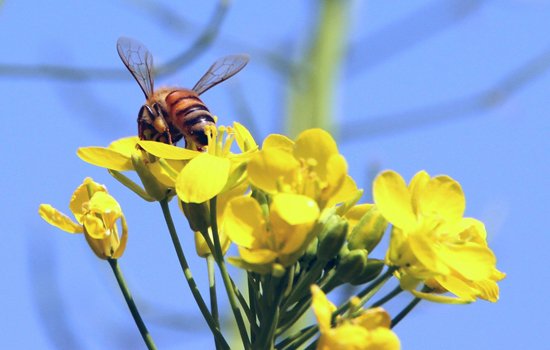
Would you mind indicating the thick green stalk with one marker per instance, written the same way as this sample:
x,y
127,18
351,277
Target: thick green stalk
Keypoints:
x,y
313,80
132,305
213,297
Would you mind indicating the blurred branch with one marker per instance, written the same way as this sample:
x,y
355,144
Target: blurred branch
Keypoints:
x,y
461,107
407,32
166,17
61,72
312,81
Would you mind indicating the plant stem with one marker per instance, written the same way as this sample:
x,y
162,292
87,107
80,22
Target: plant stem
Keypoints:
x,y
396,291
225,275
131,305
404,312
189,276
213,297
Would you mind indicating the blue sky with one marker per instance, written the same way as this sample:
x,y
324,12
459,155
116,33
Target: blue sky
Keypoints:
x,y
413,92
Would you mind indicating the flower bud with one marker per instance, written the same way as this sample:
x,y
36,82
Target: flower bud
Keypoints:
x,y
367,233
151,184
197,214
371,271
351,264
332,237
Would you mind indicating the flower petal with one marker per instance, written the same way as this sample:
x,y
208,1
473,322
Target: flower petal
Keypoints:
x,y
56,218
295,209
257,256
163,150
82,195
105,158
203,178
243,221
278,141
393,199
442,197
316,144
322,308
126,145
244,138
271,167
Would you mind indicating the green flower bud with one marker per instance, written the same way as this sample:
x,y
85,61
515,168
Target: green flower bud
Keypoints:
x,y
152,186
332,237
368,232
371,271
197,214
351,264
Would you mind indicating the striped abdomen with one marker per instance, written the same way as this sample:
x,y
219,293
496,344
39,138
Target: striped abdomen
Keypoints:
x,y
189,114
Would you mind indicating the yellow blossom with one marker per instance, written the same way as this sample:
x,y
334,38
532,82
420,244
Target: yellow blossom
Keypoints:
x,y
209,173
368,331
158,177
310,166
277,237
432,242
97,214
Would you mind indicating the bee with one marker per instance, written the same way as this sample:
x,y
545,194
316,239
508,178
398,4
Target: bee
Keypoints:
x,y
172,113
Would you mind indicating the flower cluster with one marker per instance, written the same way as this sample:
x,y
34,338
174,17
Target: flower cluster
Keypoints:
x,y
292,211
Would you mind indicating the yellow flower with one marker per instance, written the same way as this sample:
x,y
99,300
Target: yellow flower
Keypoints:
x,y
369,331
310,166
158,177
277,237
209,173
432,242
97,214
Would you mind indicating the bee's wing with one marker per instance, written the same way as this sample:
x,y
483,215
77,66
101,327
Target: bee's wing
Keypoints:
x,y
139,62
221,70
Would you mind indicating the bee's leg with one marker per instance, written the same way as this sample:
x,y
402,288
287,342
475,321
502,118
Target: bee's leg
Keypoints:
x,y
146,130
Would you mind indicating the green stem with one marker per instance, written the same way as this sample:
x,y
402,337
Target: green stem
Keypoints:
x,y
213,297
131,305
189,276
297,338
404,312
303,285
388,297
252,299
225,275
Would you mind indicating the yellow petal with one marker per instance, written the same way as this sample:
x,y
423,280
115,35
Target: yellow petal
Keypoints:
x,y
125,146
382,339
107,207
257,256
295,209
316,144
271,167
278,141
244,138
442,197
322,308
123,240
393,199
82,195
417,186
374,318
105,158
203,178
163,150
56,218
437,298
243,221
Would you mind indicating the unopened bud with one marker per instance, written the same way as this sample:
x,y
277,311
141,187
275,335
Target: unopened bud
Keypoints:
x,y
197,214
152,186
351,264
368,231
371,271
332,237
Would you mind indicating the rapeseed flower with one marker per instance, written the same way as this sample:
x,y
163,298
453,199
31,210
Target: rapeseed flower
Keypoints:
x,y
432,242
97,216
